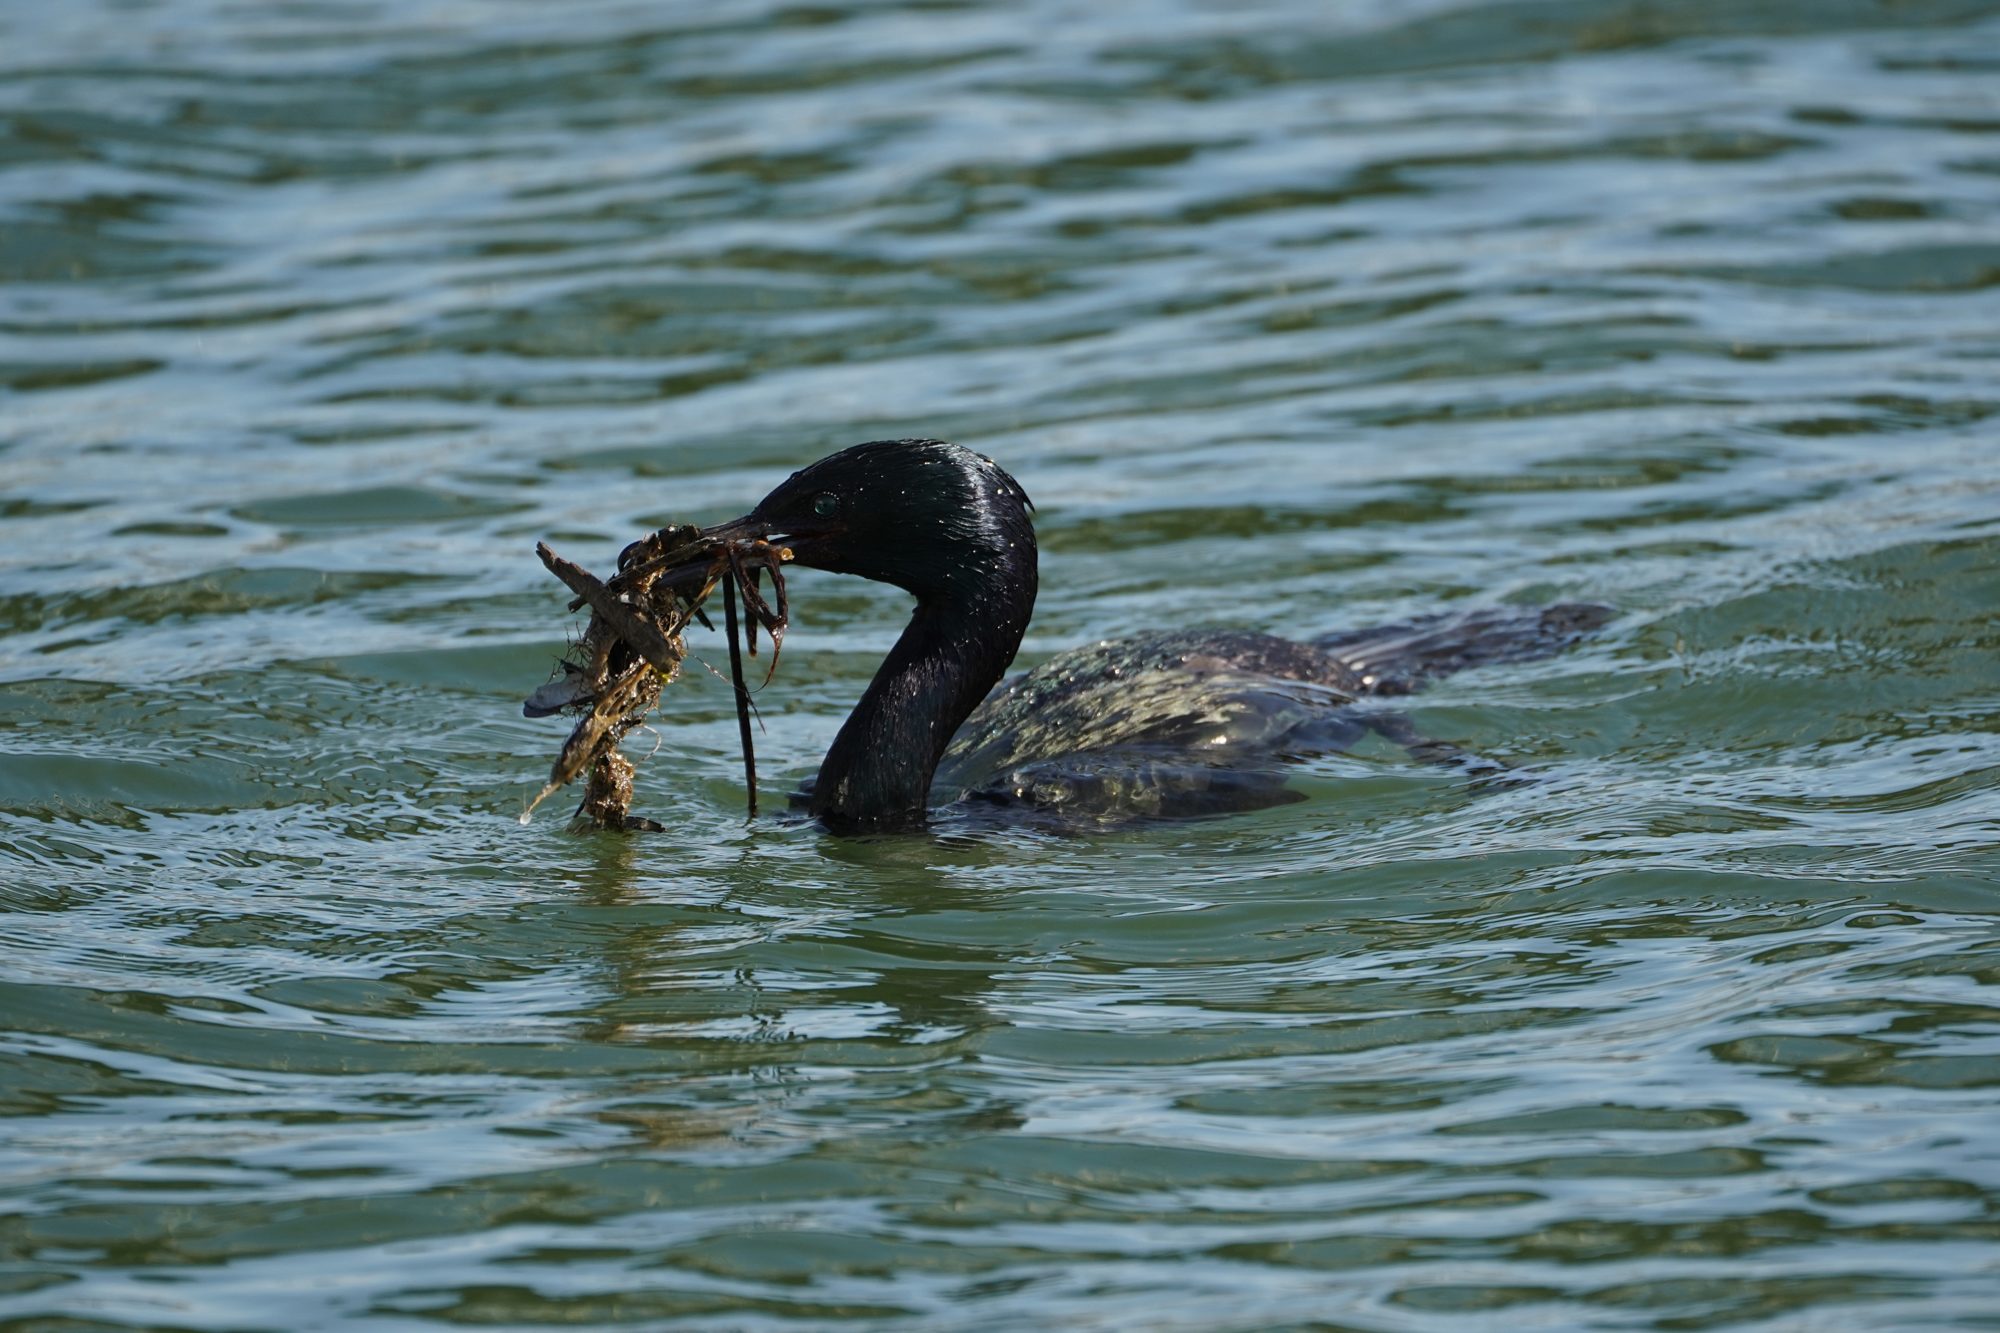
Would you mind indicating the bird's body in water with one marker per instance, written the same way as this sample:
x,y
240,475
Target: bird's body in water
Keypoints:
x,y
1174,723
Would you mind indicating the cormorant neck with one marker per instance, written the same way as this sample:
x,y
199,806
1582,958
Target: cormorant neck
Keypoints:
x,y
958,643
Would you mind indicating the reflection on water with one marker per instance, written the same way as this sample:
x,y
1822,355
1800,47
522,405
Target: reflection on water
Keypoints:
x,y
313,319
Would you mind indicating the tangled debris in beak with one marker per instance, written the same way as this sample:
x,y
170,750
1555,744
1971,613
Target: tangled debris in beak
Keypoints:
x,y
633,646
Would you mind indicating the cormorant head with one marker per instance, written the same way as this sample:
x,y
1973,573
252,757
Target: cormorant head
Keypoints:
x,y
930,517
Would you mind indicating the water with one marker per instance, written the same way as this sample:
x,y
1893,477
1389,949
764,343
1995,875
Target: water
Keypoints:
x,y
315,317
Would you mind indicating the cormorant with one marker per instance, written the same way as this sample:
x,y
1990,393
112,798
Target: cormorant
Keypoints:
x,y
1174,723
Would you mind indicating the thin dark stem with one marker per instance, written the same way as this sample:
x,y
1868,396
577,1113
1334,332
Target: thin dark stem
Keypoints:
x,y
742,694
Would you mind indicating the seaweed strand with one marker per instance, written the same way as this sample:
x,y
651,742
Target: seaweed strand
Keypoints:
x,y
742,693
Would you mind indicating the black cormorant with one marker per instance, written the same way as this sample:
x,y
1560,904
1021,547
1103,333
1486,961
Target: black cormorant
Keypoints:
x,y
1173,723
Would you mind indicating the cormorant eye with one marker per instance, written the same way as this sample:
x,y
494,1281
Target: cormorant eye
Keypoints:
x,y
826,504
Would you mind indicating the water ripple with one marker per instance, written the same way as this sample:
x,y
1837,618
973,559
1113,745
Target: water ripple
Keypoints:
x,y
313,320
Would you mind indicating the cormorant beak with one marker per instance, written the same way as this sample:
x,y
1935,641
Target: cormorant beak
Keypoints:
x,y
748,528
743,531
751,528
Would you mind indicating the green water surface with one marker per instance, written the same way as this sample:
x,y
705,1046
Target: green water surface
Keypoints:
x,y
315,317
